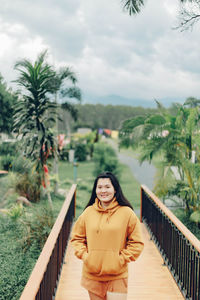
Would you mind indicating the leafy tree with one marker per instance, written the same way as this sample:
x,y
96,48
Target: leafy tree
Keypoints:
x,y
7,100
189,14
109,116
64,93
105,159
192,102
35,114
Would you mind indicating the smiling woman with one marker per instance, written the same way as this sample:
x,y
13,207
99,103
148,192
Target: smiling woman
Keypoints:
x,y
107,236
105,191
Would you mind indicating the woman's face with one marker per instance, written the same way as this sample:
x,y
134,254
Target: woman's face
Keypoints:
x,y
105,191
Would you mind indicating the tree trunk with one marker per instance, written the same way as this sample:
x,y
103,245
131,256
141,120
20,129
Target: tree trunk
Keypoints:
x,y
55,171
55,161
48,192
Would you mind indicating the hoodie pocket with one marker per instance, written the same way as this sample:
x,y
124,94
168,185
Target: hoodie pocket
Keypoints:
x,y
104,262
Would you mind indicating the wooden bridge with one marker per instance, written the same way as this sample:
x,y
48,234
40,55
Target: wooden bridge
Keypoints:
x,y
168,268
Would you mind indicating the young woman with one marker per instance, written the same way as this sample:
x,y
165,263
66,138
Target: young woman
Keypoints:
x,y
107,236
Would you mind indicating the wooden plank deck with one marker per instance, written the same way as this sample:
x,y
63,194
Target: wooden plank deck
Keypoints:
x,y
148,278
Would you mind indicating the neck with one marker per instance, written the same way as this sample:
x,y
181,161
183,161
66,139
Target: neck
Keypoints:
x,y
105,204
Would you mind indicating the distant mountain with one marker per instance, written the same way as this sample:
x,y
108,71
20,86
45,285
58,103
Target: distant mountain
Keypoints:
x,y
118,100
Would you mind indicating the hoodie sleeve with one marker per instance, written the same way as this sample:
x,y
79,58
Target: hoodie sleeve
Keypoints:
x,y
78,238
134,243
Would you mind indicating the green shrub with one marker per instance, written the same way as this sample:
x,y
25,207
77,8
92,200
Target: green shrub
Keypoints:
x,y
14,212
29,186
6,162
80,152
21,165
105,159
64,153
16,265
8,148
38,227
185,219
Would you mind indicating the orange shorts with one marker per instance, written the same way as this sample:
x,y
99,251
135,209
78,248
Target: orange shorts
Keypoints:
x,y
100,288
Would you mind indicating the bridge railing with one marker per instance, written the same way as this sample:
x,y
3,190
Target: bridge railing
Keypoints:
x,y
43,279
179,248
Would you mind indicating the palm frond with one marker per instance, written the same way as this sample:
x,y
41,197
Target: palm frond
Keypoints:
x,y
132,6
72,92
67,73
71,109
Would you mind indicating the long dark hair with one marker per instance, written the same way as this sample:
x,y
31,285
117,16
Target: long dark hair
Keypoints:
x,y
121,199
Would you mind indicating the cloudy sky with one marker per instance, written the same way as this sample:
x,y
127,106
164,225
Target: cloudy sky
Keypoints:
x,y
111,52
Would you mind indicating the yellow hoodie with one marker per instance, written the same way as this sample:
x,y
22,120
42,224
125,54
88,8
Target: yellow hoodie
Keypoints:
x,y
106,239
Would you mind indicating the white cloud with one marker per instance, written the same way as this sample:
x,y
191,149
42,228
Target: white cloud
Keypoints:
x,y
111,52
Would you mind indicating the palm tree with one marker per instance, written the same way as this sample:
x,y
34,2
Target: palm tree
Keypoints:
x,y
192,102
175,137
35,114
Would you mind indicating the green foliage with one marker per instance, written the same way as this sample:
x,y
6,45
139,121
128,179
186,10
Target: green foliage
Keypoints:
x,y
7,101
185,219
64,153
192,102
29,186
164,180
16,265
37,227
6,162
8,148
80,152
14,212
105,159
156,120
21,165
195,217
97,116
175,137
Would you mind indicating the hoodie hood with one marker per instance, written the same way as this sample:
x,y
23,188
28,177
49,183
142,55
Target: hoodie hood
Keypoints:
x,y
112,207
109,210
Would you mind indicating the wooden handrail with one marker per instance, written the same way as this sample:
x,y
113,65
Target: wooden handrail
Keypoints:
x,y
35,279
185,231
3,172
